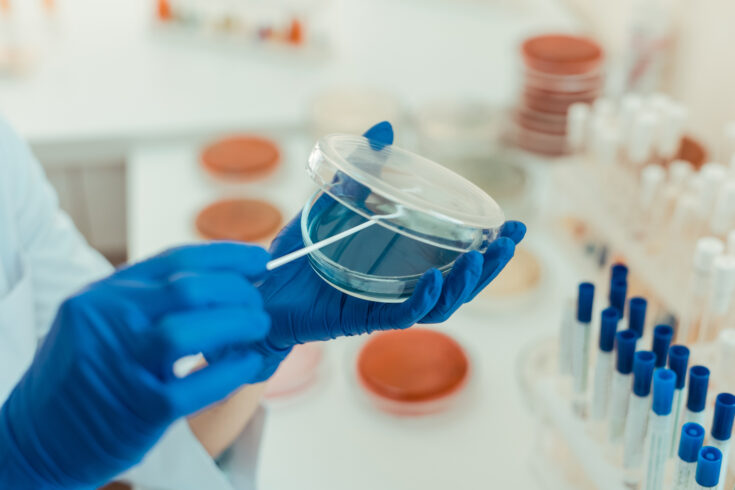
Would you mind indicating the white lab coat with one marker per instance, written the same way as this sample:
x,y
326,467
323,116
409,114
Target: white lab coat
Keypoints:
x,y
44,259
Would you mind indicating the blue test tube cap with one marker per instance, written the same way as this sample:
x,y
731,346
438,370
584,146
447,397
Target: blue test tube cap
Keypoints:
x,y
618,271
664,381
643,363
698,383
618,292
692,438
625,341
708,467
662,336
724,415
608,328
678,361
584,302
637,314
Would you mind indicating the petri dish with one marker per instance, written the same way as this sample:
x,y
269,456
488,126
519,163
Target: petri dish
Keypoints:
x,y
561,54
550,101
245,220
412,372
240,157
425,216
297,372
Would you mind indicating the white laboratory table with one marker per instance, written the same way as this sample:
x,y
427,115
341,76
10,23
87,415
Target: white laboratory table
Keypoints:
x,y
329,437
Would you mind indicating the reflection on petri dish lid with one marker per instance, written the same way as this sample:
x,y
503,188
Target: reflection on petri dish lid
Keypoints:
x,y
244,220
412,372
296,372
240,157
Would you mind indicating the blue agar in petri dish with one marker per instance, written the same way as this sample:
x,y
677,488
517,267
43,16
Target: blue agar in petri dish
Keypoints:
x,y
376,263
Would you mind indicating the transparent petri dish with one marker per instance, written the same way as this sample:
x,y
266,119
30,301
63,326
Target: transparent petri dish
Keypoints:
x,y
563,83
425,217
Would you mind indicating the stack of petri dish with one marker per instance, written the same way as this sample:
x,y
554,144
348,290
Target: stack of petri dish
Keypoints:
x,y
559,70
230,163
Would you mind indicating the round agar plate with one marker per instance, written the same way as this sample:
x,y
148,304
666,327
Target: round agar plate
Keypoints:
x,y
241,157
561,54
245,220
412,372
297,372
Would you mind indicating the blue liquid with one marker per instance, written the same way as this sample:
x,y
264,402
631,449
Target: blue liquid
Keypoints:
x,y
375,251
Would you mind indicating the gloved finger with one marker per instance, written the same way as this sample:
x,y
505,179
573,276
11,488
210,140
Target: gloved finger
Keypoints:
x,y
495,258
386,316
515,230
183,334
459,284
214,383
188,291
248,260
380,135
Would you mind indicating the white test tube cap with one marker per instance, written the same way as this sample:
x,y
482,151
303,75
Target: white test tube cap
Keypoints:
x,y
643,133
652,176
578,116
723,216
707,249
603,107
723,282
679,172
712,175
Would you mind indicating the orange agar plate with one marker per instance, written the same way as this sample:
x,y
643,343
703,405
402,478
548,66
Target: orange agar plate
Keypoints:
x,y
241,157
412,367
245,220
561,54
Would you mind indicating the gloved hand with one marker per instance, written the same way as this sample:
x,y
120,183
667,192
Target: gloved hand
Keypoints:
x,y
304,308
101,390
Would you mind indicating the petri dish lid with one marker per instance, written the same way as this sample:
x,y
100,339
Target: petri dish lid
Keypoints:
x,y
428,202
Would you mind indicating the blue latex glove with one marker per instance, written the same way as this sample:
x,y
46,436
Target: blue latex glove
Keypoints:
x,y
101,390
304,308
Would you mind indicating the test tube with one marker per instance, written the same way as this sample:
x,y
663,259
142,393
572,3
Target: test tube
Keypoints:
x,y
661,426
581,340
716,312
678,361
639,404
707,249
662,335
696,395
713,175
692,438
721,431
642,138
681,232
618,292
630,106
651,180
674,118
726,360
723,215
604,365
637,315
565,336
709,465
622,380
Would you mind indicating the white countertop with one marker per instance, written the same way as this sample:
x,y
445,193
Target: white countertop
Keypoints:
x,y
329,437
103,74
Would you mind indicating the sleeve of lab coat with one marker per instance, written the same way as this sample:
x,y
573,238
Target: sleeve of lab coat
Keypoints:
x,y
61,262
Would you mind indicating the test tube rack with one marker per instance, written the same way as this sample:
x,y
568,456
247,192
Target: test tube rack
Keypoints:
x,y
571,452
579,186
